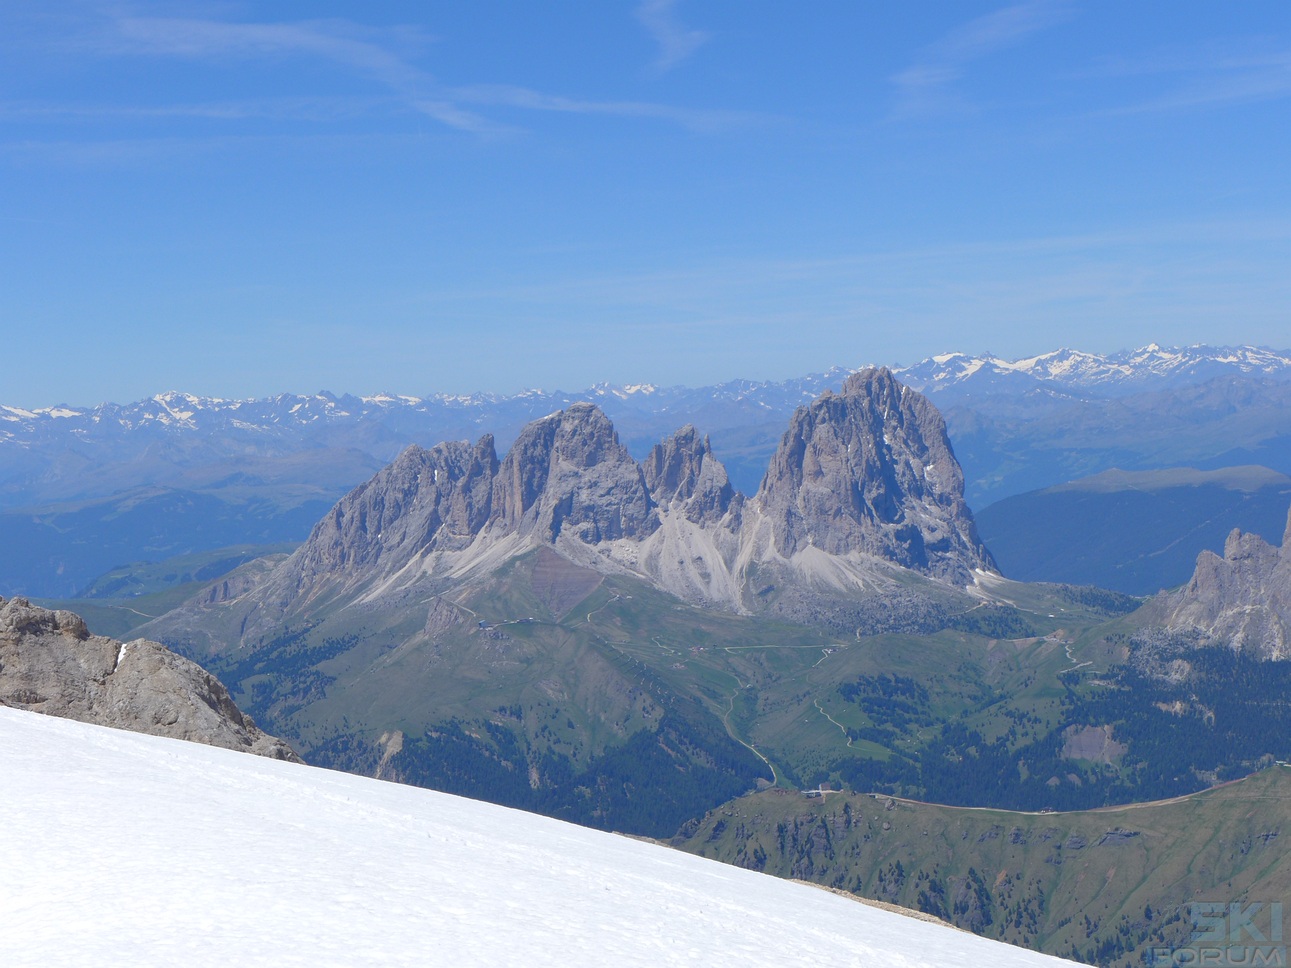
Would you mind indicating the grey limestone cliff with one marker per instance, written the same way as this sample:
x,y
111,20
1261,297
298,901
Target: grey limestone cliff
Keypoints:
x,y
1242,600
50,663
682,470
426,499
871,470
569,474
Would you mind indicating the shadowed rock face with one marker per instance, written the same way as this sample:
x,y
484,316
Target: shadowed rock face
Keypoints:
x,y
682,469
439,497
870,469
1242,600
568,474
50,663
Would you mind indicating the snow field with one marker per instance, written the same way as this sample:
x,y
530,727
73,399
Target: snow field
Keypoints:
x,y
123,849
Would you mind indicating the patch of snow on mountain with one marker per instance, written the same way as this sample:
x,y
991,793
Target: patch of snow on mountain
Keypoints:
x,y
1148,367
124,849
398,399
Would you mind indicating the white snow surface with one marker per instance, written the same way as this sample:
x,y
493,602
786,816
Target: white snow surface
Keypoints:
x,y
124,849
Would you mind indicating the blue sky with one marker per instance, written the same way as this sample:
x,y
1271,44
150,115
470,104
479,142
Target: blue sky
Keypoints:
x,y
245,198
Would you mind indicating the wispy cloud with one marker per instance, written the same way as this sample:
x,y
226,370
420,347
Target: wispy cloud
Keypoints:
x,y
385,57
1130,284
341,42
520,97
926,86
322,109
676,42
1212,76
336,40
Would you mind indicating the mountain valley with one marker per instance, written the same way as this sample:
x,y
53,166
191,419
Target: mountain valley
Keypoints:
x,y
1104,887
1131,531
622,636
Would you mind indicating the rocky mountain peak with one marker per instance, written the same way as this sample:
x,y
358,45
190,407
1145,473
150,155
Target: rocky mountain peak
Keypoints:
x,y
585,437
876,383
1241,546
682,469
1242,600
19,617
568,473
871,470
439,497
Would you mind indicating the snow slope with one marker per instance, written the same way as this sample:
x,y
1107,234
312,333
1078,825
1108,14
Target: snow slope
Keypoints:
x,y
124,849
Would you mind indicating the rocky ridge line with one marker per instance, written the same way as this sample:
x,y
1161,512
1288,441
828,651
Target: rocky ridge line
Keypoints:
x,y
863,485
50,663
1242,600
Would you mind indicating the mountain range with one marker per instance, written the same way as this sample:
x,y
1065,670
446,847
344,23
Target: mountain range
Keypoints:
x,y
551,609
321,417
84,490
630,642
475,581
1091,375
181,440
862,489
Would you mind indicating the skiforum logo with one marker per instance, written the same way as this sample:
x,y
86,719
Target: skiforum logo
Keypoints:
x,y
1234,935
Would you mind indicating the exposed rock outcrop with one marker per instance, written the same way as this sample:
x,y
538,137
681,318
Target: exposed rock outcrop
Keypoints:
x,y
1242,600
681,471
567,474
870,469
50,663
437,498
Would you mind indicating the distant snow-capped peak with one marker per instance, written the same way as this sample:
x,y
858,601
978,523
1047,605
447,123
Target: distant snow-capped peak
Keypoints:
x,y
1148,367
1071,371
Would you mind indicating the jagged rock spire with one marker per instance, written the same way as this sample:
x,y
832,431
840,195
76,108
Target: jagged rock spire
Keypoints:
x,y
682,469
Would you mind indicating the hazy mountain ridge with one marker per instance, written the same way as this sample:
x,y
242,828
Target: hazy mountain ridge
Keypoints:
x,y
381,424
1150,367
200,473
1010,444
